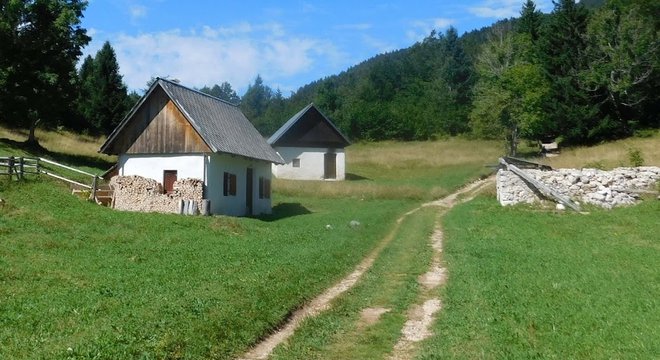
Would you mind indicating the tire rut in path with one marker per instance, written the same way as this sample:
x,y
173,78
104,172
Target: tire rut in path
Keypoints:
x,y
420,317
263,349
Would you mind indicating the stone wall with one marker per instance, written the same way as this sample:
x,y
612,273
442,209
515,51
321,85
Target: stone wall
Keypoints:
x,y
136,193
607,189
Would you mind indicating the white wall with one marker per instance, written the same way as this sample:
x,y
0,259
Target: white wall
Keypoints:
x,y
311,163
152,166
217,165
210,169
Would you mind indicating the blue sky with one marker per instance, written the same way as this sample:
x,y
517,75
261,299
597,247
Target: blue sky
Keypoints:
x,y
289,43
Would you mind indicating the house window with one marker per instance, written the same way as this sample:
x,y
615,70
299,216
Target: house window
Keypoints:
x,y
295,163
169,177
229,184
264,188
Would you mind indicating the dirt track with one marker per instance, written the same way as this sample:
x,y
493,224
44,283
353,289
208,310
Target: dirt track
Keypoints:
x,y
420,317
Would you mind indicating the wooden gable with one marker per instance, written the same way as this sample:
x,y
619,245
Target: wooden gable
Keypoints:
x,y
312,130
159,127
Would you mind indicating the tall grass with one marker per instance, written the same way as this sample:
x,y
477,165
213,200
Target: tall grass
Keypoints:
x,y
62,142
390,155
395,170
609,155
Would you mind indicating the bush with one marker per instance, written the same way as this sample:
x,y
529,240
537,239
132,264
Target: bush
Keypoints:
x,y
635,157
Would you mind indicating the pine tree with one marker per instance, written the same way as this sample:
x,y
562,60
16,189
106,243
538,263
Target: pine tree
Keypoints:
x,y
85,88
456,74
223,91
530,20
255,102
561,46
105,88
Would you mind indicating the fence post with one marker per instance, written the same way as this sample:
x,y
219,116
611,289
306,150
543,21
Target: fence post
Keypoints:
x,y
10,162
20,168
37,170
93,195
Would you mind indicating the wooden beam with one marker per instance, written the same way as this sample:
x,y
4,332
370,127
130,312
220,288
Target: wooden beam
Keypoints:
x,y
67,180
543,188
525,163
66,167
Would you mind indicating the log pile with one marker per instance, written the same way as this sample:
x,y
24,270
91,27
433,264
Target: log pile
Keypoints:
x,y
136,193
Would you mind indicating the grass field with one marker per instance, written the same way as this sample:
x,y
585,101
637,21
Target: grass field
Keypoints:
x,y
527,284
390,284
122,285
81,281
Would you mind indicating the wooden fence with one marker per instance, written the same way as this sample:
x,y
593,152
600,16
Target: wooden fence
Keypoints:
x,y
20,166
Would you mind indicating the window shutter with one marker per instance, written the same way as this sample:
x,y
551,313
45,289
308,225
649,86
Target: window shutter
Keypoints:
x,y
261,188
232,184
225,185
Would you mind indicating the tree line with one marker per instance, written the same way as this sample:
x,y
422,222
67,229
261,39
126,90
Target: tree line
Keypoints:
x,y
584,73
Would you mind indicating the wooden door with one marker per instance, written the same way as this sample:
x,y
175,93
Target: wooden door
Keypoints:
x,y
169,177
249,182
330,161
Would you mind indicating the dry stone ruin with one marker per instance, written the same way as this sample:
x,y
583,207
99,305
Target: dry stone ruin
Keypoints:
x,y
607,189
136,193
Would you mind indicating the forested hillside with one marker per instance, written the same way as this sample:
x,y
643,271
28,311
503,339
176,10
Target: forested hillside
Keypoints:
x,y
584,73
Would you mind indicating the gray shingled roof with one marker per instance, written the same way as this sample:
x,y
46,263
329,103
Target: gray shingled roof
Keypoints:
x,y
222,125
292,121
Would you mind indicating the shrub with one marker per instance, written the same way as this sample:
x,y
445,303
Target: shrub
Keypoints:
x,y
635,157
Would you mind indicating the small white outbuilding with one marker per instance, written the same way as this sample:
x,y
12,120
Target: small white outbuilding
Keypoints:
x,y
311,146
176,133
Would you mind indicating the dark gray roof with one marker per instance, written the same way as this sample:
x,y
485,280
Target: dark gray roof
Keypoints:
x,y
222,125
299,115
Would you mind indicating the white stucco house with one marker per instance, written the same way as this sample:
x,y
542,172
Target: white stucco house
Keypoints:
x,y
175,132
311,146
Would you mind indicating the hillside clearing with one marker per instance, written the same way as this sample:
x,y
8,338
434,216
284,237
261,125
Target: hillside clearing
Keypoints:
x,y
112,284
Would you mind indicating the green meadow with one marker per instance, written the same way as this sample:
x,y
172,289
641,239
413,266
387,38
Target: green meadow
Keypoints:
x,y
82,281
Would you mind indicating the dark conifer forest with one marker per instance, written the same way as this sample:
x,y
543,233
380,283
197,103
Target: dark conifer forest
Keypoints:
x,y
584,73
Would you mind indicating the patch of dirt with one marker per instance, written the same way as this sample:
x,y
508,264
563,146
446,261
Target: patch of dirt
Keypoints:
x,y
436,240
420,317
370,316
433,278
416,328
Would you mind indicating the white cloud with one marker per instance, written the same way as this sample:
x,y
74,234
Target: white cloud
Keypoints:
x,y
137,12
422,28
213,55
499,9
380,45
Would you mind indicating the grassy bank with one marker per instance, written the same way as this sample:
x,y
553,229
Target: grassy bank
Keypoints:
x,y
77,276
527,284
